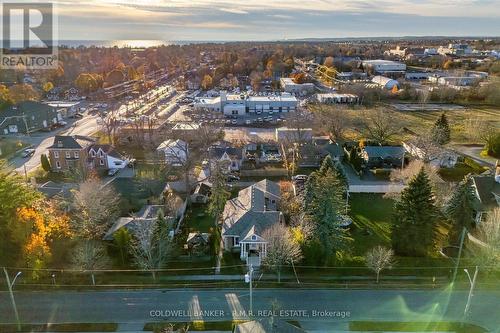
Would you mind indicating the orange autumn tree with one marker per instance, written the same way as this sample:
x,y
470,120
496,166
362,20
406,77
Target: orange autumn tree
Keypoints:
x,y
37,227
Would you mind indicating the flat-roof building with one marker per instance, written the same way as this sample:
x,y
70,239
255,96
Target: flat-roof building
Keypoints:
x,y
335,98
385,67
290,86
238,105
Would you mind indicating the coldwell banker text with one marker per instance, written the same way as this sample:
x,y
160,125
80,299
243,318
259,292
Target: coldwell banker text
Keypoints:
x,y
245,314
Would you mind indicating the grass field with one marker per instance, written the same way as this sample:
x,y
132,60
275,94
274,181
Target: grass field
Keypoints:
x,y
420,122
197,219
9,146
371,215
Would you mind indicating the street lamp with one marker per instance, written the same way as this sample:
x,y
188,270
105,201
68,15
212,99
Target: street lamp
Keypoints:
x,y
248,279
10,285
472,282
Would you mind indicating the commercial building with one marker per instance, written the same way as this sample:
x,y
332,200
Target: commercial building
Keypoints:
x,y
385,82
27,117
289,86
385,67
455,49
239,105
335,98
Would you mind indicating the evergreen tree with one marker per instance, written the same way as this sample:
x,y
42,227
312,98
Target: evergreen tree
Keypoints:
x,y
460,208
441,131
45,162
122,239
415,218
327,165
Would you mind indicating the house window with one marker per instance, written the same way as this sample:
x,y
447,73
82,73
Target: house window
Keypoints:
x,y
254,237
236,241
101,154
92,153
101,162
68,155
58,164
77,155
56,154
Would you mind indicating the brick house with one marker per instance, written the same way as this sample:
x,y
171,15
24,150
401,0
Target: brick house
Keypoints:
x,y
69,152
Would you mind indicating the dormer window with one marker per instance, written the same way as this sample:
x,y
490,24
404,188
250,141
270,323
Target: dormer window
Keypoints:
x,y
254,237
92,153
59,144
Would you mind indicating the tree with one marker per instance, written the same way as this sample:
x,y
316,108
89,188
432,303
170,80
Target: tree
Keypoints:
x,y
45,163
329,61
487,252
152,246
460,207
90,255
281,248
97,206
332,119
219,195
122,239
440,133
323,203
207,82
381,125
47,86
415,218
378,259
484,131
23,92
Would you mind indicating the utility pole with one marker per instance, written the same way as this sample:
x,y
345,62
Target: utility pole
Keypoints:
x,y
471,291
13,301
248,279
457,262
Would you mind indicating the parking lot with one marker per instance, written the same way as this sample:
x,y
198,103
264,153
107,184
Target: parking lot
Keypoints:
x,y
260,119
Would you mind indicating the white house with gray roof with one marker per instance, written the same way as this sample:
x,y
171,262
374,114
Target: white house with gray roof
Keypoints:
x,y
246,218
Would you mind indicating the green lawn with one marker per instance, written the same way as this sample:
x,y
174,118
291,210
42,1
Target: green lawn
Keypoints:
x,y
460,170
371,214
390,326
198,219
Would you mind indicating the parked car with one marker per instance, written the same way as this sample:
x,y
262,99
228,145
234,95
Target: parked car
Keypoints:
x,y
302,178
248,121
28,152
113,172
131,163
234,122
232,178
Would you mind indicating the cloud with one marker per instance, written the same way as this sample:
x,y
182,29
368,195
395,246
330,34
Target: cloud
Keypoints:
x,y
267,20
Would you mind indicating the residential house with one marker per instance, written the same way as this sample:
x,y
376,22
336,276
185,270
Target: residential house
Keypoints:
x,y
229,157
27,117
197,243
69,152
175,152
105,157
246,218
487,190
270,153
436,156
383,156
145,218
201,193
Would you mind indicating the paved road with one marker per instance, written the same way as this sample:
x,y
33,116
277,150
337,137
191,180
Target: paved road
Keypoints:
x,y
41,141
150,305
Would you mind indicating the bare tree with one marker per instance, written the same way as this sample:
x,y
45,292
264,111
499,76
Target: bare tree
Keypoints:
x,y
381,125
332,119
378,259
281,248
487,250
90,255
152,244
425,148
110,123
480,130
95,206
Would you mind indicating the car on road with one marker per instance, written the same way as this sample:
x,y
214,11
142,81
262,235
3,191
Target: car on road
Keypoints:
x,y
234,122
28,152
113,172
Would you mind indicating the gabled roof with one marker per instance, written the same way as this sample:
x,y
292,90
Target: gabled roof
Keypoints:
x,y
71,142
172,144
486,189
28,108
254,209
107,149
218,152
385,151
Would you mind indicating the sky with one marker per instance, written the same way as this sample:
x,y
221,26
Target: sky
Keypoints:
x,y
273,19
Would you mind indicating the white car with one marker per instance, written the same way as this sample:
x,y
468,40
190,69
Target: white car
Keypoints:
x,y
248,121
28,152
